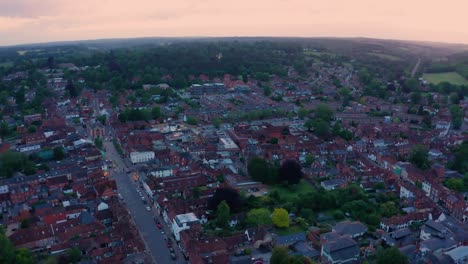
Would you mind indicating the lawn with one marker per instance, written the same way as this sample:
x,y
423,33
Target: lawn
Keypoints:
x,y
6,64
289,192
451,77
290,230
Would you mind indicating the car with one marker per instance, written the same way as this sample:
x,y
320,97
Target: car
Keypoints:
x,y
120,196
173,256
169,245
162,232
171,249
159,226
165,236
148,208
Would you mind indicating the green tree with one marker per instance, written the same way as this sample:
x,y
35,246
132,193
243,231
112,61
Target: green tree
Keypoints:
x,y
261,170
156,112
73,255
102,119
455,184
223,215
419,157
32,129
4,129
280,255
321,128
273,140
416,97
391,256
302,112
98,142
309,159
324,112
71,88
260,216
267,91
191,120
280,218
309,124
7,251
217,122
24,256
59,153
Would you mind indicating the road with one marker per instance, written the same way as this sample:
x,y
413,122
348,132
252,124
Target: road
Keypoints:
x,y
144,219
415,69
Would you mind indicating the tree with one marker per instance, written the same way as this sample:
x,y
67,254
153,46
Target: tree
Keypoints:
x,y
223,215
59,153
73,255
280,255
391,256
321,128
11,162
302,113
454,98
217,122
324,112
229,195
25,223
454,184
102,119
410,85
24,256
419,157
267,91
280,218
309,159
32,129
71,88
7,251
4,129
460,164
155,112
416,97
291,172
309,124
260,170
273,140
98,142
191,120
260,216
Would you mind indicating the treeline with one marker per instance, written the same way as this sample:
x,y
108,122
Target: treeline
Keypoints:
x,y
122,68
135,114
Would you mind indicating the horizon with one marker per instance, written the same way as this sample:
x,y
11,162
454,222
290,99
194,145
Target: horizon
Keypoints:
x,y
25,22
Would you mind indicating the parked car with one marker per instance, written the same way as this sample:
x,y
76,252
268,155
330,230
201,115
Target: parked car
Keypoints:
x,y
173,256
171,249
148,208
159,226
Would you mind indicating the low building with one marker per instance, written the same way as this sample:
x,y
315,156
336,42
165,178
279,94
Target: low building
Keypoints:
x,y
183,222
342,250
141,156
353,229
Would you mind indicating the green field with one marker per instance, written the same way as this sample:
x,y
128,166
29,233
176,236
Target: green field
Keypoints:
x,y
385,56
451,77
289,192
6,64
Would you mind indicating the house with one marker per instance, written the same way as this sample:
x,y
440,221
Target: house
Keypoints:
x,y
403,221
342,250
353,229
399,238
183,222
141,156
459,255
437,245
333,184
288,240
433,229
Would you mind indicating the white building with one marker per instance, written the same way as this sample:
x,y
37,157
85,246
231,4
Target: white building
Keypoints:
x,y
183,222
162,172
142,156
27,148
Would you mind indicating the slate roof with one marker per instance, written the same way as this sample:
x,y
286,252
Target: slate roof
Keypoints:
x,y
350,228
342,249
290,239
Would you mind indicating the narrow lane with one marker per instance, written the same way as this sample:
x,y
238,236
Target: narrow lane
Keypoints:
x,y
143,218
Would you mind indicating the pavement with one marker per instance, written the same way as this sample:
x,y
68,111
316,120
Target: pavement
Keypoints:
x,y
143,219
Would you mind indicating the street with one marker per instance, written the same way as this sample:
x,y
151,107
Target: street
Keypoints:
x,y
144,220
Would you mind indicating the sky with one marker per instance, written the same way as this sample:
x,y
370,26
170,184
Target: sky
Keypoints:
x,y
33,21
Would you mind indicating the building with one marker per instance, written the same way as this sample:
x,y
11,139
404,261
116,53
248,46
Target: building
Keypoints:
x,y
162,172
353,229
342,250
141,156
183,222
207,89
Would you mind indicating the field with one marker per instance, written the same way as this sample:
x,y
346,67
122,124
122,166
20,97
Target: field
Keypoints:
x,y
6,64
385,56
451,77
290,192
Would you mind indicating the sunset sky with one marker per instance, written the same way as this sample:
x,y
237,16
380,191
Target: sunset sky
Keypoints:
x,y
31,21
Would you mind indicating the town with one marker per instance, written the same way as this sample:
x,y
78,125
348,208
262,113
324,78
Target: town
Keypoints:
x,y
322,161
